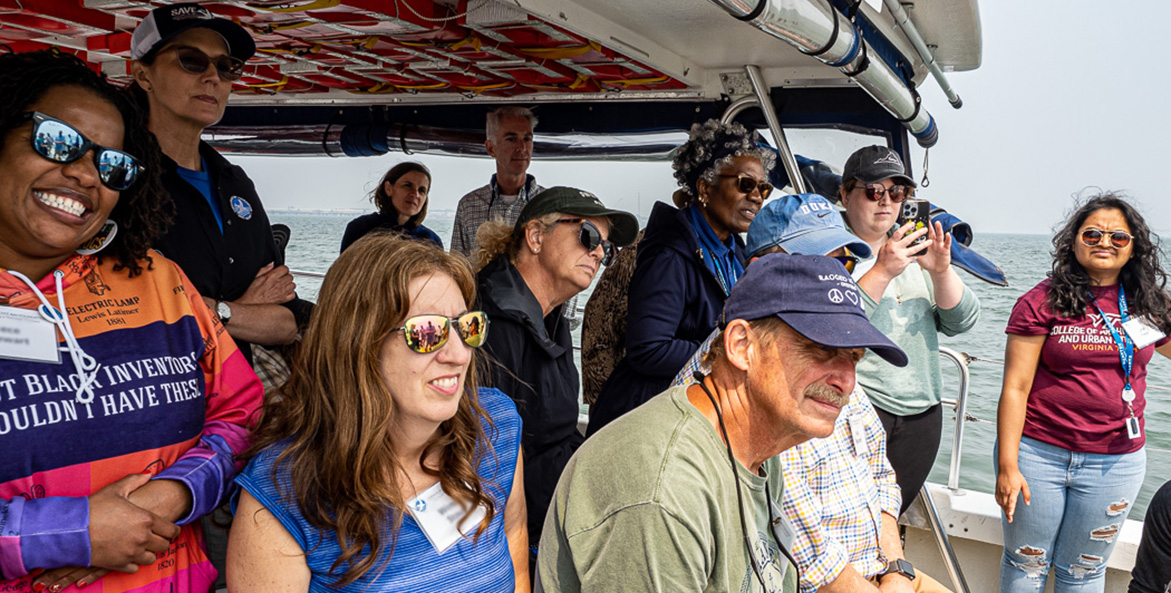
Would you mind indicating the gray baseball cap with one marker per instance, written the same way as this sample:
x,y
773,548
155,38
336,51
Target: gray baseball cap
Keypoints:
x,y
872,164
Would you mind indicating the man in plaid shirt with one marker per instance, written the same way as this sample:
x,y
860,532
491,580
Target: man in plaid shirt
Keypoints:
x,y
509,141
840,491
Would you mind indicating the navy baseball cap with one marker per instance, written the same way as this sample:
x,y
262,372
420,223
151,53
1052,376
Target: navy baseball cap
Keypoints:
x,y
815,296
803,223
166,22
871,164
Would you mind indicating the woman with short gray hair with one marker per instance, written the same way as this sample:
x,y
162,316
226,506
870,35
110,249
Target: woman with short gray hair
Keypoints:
x,y
688,260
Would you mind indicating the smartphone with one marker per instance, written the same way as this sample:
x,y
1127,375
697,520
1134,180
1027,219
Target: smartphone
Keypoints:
x,y
917,211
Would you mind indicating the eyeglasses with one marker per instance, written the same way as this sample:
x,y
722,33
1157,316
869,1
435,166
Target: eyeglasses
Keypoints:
x,y
848,261
62,143
897,193
1118,239
427,333
591,237
747,184
196,62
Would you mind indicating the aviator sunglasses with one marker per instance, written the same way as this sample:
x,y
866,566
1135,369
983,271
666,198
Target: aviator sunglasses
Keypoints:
x,y
62,143
427,333
591,237
897,193
196,62
746,184
1091,237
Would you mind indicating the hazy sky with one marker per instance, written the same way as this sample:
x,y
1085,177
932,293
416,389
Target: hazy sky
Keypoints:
x,y
1071,95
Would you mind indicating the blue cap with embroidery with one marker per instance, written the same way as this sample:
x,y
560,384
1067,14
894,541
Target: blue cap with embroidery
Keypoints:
x,y
815,296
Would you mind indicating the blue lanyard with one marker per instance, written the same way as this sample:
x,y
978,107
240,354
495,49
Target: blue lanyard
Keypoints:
x,y
1125,346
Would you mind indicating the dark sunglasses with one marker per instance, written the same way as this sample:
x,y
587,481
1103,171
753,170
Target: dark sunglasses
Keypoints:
x,y
848,261
746,185
196,62
1119,239
591,237
62,143
897,193
427,333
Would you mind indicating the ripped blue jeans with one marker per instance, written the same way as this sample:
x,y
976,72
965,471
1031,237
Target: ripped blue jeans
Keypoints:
x,y
1079,502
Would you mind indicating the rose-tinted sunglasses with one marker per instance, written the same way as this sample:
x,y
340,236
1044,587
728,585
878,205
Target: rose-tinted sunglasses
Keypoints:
x,y
1119,239
897,193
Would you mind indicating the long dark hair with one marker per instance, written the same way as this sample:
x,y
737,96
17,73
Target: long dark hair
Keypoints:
x,y
144,210
382,200
1142,277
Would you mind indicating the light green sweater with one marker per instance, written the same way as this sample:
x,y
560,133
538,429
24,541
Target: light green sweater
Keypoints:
x,y
908,316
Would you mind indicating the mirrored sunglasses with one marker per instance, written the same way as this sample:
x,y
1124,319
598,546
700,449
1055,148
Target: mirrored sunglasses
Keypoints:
x,y
196,62
62,143
1119,239
591,237
897,193
747,184
427,333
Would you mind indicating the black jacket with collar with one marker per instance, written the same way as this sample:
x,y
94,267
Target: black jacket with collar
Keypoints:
x,y
221,266
531,359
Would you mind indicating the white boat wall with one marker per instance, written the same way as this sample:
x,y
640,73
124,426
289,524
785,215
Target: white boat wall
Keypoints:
x,y
609,79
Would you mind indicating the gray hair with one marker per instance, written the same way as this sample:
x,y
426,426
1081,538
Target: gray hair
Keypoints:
x,y
509,111
710,148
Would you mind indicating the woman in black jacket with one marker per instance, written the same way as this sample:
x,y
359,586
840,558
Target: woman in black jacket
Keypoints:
x,y
688,260
529,270
401,197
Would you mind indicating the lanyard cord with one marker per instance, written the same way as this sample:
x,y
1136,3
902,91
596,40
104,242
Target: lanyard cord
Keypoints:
x,y
699,378
1125,347
86,366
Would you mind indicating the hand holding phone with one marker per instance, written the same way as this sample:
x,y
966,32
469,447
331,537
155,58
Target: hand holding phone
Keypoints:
x,y
918,212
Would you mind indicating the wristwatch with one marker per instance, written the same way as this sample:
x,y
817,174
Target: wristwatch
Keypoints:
x,y
223,311
899,566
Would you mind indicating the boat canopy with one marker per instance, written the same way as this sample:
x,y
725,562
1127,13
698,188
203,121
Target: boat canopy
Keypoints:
x,y
359,77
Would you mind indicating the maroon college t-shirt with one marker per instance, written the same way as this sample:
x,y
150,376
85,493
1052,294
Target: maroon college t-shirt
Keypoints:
x,y
1076,399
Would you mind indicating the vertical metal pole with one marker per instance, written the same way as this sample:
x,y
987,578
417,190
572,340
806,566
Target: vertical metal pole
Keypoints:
x,y
961,409
943,541
774,125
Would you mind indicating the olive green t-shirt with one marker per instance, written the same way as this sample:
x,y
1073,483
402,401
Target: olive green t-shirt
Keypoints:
x,y
649,504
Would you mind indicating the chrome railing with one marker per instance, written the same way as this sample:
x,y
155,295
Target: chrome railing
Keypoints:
x,y
960,404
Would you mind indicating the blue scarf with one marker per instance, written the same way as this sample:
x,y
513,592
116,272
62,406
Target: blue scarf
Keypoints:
x,y
719,256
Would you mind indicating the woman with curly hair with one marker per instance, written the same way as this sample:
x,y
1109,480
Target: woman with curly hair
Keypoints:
x,y
1071,431
380,453
114,446
401,198
688,260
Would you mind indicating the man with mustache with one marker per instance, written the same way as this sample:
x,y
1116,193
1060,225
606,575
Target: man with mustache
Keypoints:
x,y
684,492
841,494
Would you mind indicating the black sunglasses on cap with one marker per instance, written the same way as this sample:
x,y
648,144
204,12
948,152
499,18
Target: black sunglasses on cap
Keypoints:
x,y
591,237
195,61
62,143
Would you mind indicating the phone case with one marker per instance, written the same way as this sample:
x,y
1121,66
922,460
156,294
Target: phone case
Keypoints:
x,y
918,211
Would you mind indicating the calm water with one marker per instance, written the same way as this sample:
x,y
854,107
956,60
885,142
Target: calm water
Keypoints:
x,y
1025,260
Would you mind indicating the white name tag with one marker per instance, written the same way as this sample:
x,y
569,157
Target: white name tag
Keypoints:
x,y
438,515
858,432
1142,333
25,335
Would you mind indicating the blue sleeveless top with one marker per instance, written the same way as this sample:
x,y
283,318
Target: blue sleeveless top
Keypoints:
x,y
483,566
